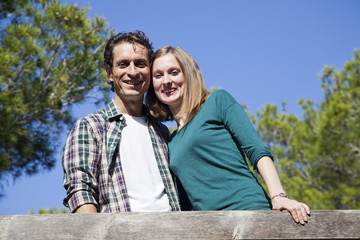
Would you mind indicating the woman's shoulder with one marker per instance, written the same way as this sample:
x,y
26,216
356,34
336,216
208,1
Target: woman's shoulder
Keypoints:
x,y
222,96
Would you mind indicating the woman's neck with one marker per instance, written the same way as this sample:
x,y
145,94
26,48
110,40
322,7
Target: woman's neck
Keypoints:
x,y
181,121
184,119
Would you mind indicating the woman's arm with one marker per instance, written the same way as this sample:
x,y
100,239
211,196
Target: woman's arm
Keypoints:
x,y
299,211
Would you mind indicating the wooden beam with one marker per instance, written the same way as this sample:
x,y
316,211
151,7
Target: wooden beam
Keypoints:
x,y
343,224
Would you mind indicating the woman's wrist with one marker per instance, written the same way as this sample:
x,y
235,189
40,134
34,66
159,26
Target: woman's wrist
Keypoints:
x,y
282,194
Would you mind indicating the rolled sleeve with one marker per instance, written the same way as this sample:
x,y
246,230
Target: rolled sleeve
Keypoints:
x,y
80,157
78,199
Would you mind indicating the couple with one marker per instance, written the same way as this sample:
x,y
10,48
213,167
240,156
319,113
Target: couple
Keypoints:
x,y
116,159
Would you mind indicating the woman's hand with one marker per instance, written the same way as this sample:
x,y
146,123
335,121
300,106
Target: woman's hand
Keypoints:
x,y
299,211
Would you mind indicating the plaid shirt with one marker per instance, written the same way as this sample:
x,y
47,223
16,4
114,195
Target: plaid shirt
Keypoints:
x,y
91,162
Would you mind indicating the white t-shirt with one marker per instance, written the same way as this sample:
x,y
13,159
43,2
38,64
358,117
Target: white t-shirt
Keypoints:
x,y
144,185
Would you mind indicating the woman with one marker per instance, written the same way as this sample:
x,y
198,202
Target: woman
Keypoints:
x,y
208,151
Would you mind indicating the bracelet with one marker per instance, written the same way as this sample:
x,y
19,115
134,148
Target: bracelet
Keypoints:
x,y
280,195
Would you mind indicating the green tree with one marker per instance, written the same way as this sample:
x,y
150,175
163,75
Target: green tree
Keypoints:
x,y
318,155
50,211
50,58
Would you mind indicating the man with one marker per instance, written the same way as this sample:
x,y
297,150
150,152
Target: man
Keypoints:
x,y
116,159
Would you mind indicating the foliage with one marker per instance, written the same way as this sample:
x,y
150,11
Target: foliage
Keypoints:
x,y
50,211
50,58
318,155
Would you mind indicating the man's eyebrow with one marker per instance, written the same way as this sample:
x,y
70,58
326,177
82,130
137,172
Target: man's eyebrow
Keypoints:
x,y
121,60
142,59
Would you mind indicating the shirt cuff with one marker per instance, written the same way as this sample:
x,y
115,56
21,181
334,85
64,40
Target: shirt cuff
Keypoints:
x,y
80,198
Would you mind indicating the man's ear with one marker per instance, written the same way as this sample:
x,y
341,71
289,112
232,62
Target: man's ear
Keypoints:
x,y
109,75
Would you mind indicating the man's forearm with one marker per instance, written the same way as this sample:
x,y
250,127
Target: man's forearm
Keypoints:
x,y
87,208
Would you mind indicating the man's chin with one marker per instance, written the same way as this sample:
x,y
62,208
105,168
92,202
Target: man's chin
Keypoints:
x,y
132,94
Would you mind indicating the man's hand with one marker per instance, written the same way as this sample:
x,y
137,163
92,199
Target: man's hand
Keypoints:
x,y
299,211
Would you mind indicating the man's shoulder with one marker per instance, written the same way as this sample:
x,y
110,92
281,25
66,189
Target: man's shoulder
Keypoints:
x,y
163,127
97,116
95,119
160,128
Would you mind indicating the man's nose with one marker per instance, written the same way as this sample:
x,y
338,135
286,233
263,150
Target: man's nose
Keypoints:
x,y
132,70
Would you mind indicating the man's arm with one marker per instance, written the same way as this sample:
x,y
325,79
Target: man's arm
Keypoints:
x,y
86,208
78,157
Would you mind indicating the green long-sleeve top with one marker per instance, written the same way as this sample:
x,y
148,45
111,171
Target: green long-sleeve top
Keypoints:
x,y
207,156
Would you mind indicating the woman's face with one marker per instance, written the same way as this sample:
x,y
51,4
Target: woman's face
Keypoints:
x,y
168,81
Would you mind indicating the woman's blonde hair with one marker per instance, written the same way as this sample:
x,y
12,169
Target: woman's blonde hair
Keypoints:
x,y
195,92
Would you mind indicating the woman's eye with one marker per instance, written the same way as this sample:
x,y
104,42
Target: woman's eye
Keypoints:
x,y
174,72
157,75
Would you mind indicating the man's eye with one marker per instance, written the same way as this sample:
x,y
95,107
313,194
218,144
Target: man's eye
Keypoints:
x,y
140,64
122,64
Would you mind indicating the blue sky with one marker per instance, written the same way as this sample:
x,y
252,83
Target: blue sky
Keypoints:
x,y
260,51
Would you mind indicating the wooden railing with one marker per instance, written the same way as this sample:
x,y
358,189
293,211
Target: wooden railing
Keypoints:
x,y
337,224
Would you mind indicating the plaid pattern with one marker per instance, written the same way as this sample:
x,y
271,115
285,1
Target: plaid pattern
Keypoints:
x,y
91,162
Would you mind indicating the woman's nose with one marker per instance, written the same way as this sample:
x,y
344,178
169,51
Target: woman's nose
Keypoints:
x,y
167,79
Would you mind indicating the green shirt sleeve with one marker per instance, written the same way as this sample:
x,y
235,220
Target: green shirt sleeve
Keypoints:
x,y
239,125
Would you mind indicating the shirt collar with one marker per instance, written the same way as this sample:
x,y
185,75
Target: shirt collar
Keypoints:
x,y
113,112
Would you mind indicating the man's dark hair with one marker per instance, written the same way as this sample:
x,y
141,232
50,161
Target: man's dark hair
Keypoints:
x,y
137,36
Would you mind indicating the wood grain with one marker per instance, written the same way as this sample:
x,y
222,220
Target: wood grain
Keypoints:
x,y
337,224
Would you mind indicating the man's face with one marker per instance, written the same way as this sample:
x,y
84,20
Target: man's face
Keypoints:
x,y
131,71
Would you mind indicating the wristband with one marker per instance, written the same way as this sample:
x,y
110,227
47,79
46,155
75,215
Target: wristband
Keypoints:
x,y
280,195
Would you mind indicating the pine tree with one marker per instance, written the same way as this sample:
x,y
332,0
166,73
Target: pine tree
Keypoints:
x,y
50,58
318,155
